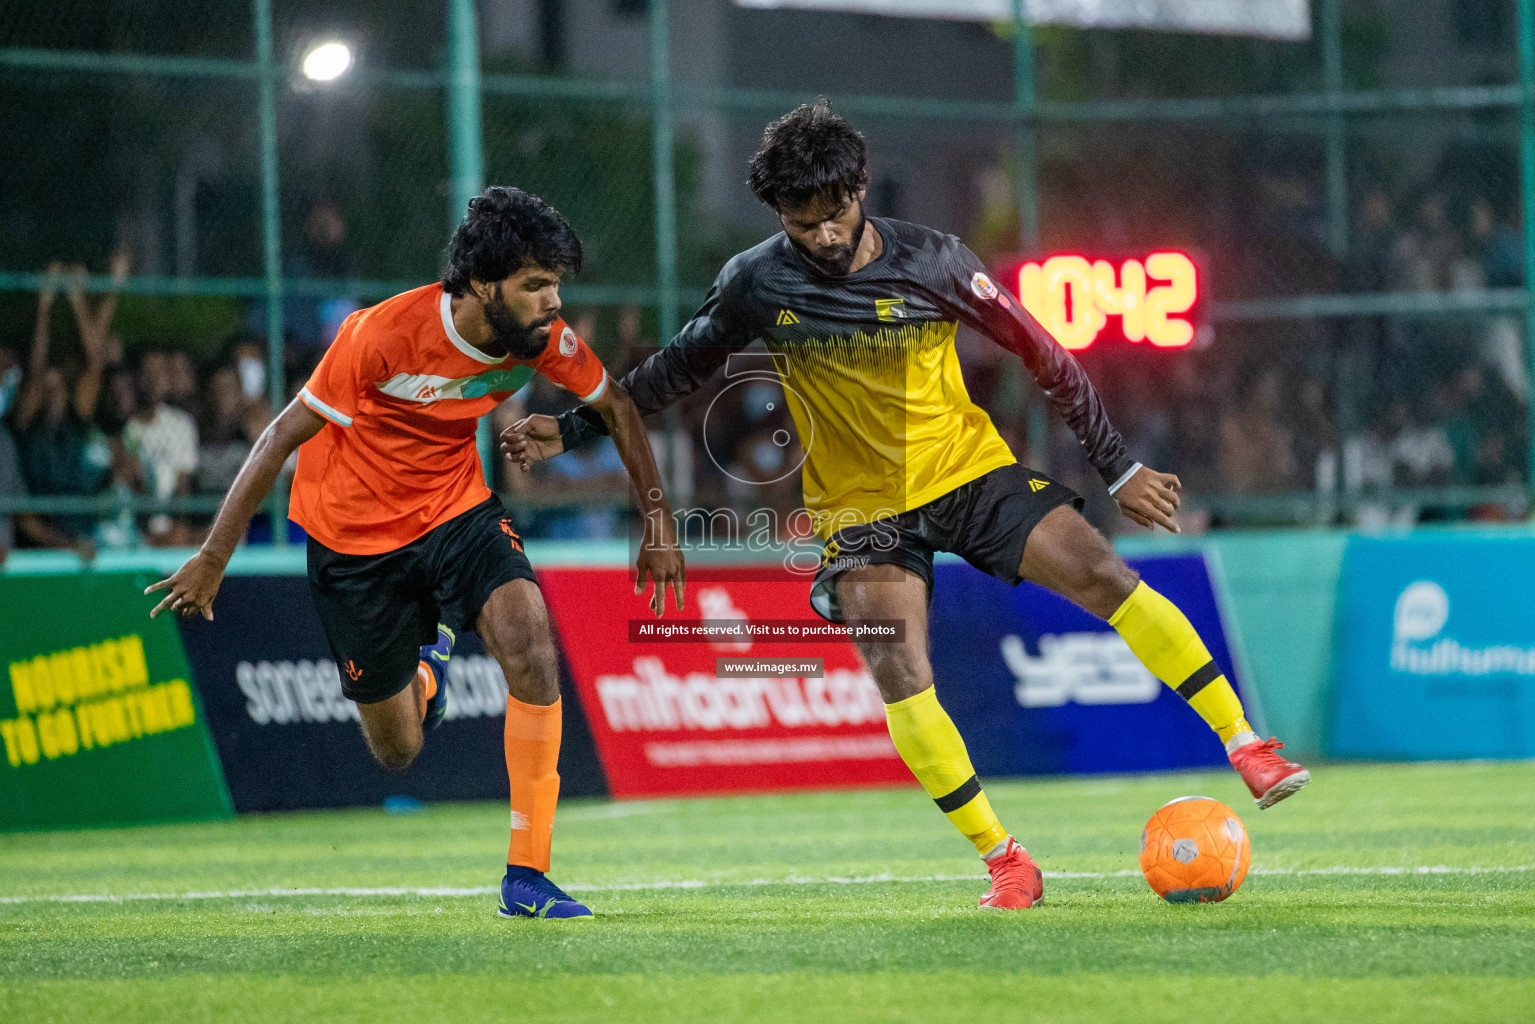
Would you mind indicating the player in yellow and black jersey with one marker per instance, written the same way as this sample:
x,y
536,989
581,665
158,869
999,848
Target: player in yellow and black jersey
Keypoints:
x,y
861,314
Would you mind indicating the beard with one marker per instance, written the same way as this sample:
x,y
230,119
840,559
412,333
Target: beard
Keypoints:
x,y
836,260
523,341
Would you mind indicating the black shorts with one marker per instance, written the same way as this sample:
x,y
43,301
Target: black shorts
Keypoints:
x,y
378,610
986,522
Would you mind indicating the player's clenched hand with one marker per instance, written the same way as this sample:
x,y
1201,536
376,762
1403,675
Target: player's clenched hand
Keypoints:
x,y
192,587
532,439
662,563
1150,499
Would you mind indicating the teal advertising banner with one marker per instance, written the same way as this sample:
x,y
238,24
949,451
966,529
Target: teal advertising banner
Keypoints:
x,y
1435,653
99,721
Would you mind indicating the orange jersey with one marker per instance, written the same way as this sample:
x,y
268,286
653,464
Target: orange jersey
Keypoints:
x,y
403,394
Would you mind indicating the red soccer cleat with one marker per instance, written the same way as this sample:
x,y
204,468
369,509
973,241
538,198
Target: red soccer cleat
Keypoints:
x,y
1016,881
1269,777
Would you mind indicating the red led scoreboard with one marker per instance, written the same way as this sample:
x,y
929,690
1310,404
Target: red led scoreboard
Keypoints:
x,y
1148,300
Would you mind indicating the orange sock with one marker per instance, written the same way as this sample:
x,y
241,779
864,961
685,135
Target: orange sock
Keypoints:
x,y
428,688
532,759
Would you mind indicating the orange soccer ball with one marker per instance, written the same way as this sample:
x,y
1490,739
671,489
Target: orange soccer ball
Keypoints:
x,y
1194,850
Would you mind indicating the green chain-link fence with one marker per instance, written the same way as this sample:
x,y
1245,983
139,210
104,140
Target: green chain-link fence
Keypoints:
x,y
1358,221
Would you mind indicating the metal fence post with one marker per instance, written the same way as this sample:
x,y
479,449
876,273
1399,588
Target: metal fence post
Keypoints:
x,y
1337,228
271,239
1527,176
1337,129
1027,186
465,154
1023,107
666,206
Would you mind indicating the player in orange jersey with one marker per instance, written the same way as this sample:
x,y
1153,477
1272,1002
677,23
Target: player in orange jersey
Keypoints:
x,y
403,533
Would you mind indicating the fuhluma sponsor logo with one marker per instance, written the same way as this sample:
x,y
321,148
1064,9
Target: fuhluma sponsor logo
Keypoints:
x,y
1418,646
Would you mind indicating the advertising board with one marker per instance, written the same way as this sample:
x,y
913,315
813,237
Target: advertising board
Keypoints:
x,y
289,739
1435,648
666,722
98,718
1039,686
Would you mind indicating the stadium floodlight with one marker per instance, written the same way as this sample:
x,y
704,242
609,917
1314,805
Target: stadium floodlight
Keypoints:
x,y
327,60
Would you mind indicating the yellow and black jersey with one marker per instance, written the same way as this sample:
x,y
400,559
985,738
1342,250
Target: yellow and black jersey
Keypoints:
x,y
870,371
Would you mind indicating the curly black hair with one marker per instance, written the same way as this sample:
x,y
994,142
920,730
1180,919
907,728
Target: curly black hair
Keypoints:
x,y
505,230
808,154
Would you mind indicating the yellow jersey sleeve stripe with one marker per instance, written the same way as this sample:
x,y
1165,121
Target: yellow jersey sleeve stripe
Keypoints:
x,y
597,391
337,417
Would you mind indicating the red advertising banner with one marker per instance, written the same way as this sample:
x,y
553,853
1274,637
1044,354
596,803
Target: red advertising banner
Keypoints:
x,y
673,715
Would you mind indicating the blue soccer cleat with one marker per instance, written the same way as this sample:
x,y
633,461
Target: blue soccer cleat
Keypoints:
x,y
435,660
529,893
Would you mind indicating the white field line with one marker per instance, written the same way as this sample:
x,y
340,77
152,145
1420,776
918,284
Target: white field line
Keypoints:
x,y
485,890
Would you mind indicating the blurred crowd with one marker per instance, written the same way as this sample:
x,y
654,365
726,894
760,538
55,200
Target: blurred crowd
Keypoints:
x,y
1434,244
1345,408
87,420
1275,430
1448,396
1348,408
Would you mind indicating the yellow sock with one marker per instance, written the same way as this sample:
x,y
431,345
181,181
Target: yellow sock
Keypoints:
x,y
931,747
1165,641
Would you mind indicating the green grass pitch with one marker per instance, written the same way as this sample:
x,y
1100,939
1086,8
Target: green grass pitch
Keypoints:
x,y
821,907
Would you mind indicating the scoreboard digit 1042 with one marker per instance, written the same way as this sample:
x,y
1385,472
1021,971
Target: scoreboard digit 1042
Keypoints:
x,y
1149,300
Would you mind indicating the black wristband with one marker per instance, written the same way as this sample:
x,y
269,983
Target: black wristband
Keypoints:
x,y
1117,472
579,426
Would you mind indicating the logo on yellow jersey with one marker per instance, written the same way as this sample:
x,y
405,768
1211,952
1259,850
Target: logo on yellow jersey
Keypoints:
x,y
787,317
890,309
830,551
1036,485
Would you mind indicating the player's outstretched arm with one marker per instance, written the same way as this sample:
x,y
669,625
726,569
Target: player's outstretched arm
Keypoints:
x,y
1145,496
660,556
532,439
190,590
1150,498
721,326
